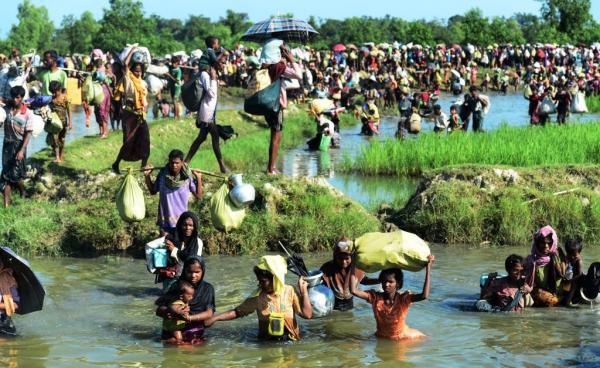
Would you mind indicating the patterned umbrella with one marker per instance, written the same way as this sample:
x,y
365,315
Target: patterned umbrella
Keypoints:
x,y
31,291
286,29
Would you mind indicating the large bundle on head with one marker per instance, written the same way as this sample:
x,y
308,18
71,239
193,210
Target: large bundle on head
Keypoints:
x,y
398,249
321,105
130,200
140,54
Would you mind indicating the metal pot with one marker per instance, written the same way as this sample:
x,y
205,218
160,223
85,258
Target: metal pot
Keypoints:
x,y
314,278
242,194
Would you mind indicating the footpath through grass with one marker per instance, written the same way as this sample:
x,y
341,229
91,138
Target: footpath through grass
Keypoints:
x,y
510,146
72,211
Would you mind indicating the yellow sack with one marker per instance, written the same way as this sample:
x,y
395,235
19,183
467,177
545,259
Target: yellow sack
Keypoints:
x,y
401,249
319,105
260,81
130,200
224,214
73,91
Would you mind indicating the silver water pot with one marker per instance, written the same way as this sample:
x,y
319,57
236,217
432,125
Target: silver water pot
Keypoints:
x,y
242,194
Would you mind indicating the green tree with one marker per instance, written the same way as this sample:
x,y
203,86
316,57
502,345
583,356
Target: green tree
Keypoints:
x,y
503,30
34,30
238,23
568,16
124,23
76,35
476,28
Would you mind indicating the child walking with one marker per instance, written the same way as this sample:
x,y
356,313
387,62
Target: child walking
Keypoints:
x,y
60,105
391,307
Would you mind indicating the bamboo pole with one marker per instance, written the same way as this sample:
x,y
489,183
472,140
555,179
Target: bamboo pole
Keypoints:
x,y
554,194
203,172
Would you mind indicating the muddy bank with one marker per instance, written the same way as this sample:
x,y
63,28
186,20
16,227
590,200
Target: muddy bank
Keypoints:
x,y
495,205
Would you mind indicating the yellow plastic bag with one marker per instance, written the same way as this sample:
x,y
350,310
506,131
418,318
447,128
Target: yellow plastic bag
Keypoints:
x,y
130,200
401,249
224,214
73,91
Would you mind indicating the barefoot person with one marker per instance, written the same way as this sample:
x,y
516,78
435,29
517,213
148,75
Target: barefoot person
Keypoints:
x,y
136,145
17,134
280,63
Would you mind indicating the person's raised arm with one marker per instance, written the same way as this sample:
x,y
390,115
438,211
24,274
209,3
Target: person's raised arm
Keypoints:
x,y
148,179
426,285
198,175
355,290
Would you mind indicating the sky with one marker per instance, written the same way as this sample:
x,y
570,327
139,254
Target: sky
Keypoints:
x,y
262,9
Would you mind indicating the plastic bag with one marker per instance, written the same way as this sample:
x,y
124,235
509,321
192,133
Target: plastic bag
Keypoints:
x,y
265,101
547,107
320,105
192,92
37,125
130,200
321,299
578,104
325,143
53,124
225,216
400,249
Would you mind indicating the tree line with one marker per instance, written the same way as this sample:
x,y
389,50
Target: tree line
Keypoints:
x,y
124,21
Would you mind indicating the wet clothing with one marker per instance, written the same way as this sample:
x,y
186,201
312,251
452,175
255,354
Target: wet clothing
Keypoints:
x,y
391,318
338,280
500,293
8,292
172,325
263,304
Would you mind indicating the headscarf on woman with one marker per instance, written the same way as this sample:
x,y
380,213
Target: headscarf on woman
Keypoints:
x,y
277,266
204,294
190,244
537,258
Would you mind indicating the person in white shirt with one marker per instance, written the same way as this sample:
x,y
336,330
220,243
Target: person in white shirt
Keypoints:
x,y
206,120
440,119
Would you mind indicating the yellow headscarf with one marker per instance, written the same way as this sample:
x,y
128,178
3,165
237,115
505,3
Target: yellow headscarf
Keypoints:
x,y
7,281
277,266
139,102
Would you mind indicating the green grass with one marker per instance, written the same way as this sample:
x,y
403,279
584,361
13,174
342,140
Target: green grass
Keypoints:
x,y
77,215
593,103
453,207
511,146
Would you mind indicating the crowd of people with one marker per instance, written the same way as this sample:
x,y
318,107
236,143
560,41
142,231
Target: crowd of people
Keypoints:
x,y
119,87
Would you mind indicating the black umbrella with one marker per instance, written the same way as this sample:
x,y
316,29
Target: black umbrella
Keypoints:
x,y
286,29
31,291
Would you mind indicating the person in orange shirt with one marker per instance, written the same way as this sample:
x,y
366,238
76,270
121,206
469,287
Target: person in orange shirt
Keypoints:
x,y
391,307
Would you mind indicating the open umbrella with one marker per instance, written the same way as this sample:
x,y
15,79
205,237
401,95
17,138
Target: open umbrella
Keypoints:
x,y
31,291
339,48
286,29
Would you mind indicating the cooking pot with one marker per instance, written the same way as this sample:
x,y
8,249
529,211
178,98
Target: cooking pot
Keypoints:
x,y
242,194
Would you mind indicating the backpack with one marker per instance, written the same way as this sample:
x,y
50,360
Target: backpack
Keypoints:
x,y
192,93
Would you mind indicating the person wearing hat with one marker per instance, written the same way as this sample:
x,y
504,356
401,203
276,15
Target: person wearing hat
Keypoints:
x,y
275,303
337,272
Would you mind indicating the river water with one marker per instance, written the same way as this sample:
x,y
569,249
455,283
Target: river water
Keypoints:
x,y
99,312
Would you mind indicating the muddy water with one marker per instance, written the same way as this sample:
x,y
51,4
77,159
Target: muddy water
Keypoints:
x,y
100,313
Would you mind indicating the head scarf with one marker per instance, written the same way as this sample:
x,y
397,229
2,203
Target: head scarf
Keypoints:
x,y
538,258
277,266
191,242
139,102
271,52
204,294
7,281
